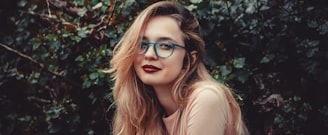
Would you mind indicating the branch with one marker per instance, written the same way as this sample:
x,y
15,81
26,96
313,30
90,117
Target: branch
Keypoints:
x,y
107,22
40,100
97,31
112,13
24,56
51,19
49,11
57,74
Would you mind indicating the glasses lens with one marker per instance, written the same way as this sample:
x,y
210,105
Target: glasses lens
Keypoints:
x,y
143,47
164,48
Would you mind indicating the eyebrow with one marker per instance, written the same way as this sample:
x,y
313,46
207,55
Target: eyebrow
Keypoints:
x,y
161,39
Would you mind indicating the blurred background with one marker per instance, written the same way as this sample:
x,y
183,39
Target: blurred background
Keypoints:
x,y
272,53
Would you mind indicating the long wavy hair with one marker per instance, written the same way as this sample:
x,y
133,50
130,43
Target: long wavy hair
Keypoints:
x,y
138,111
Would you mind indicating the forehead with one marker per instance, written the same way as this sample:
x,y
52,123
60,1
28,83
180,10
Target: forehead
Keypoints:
x,y
163,27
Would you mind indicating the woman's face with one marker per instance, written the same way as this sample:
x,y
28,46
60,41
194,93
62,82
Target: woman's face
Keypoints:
x,y
152,69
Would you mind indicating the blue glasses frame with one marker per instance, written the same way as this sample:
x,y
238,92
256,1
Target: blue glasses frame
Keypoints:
x,y
154,44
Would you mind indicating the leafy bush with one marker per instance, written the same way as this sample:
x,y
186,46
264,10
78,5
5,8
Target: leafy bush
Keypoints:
x,y
271,53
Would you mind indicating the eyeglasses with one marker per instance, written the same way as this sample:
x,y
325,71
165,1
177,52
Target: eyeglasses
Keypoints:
x,y
162,49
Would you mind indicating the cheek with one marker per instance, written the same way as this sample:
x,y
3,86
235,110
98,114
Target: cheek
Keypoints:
x,y
176,65
136,63
180,60
137,60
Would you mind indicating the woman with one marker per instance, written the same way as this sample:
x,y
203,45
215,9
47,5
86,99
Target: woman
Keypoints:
x,y
161,84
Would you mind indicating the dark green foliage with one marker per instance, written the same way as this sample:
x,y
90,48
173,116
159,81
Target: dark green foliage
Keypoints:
x,y
273,55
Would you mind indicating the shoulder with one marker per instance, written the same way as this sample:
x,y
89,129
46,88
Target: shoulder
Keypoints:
x,y
207,95
208,91
207,110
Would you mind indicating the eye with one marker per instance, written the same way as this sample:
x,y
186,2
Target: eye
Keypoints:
x,y
165,45
143,45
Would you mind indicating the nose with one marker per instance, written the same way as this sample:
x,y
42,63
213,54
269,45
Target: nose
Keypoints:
x,y
150,53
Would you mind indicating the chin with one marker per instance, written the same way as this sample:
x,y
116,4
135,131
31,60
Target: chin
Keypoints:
x,y
149,82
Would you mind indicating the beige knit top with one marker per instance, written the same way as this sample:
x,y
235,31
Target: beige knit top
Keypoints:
x,y
207,113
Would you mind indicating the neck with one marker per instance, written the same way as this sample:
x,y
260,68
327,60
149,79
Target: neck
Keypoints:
x,y
165,98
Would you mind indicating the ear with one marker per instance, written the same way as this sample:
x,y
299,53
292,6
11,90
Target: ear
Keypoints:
x,y
193,56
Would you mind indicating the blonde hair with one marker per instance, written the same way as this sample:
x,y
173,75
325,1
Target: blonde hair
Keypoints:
x,y
138,111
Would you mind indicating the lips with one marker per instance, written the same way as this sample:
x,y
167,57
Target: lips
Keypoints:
x,y
150,68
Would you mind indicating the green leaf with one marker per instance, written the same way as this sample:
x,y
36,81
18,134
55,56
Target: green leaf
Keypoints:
x,y
35,43
267,58
127,7
82,11
191,7
196,1
86,84
52,67
22,3
25,118
92,97
93,76
323,28
51,37
312,24
79,2
54,45
250,7
98,5
66,34
239,62
242,75
76,38
82,32
224,70
79,58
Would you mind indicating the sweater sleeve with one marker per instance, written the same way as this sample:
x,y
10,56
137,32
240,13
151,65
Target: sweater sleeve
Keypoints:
x,y
208,112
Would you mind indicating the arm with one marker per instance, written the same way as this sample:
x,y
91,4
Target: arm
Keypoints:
x,y
209,112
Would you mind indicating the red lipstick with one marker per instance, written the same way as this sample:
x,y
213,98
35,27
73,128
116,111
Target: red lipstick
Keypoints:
x,y
150,68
